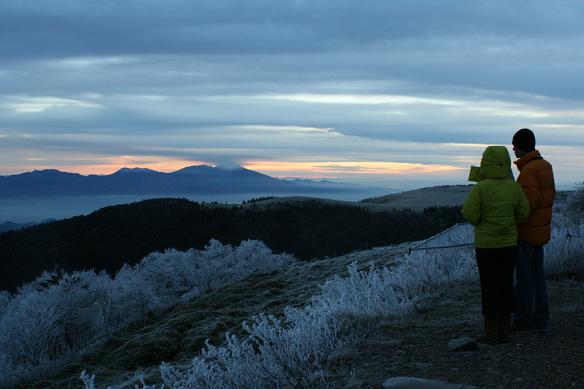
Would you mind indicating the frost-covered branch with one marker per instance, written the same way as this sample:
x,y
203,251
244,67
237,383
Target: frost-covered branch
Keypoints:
x,y
53,318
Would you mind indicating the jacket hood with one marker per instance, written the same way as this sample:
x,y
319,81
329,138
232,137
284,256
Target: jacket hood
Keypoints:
x,y
495,163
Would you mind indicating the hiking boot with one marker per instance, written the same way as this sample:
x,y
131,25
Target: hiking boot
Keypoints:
x,y
504,328
490,335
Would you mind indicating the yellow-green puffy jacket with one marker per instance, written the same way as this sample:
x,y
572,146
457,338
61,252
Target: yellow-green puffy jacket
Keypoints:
x,y
496,204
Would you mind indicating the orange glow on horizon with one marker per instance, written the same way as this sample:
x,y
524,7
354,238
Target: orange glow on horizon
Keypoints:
x,y
320,169
347,168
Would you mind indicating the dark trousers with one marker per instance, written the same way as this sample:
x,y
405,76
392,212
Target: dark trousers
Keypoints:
x,y
496,268
531,289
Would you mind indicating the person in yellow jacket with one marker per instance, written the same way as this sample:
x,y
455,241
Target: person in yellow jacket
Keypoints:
x,y
495,206
536,177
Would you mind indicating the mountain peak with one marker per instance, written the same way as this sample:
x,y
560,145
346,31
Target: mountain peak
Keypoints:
x,y
46,171
195,169
229,166
135,170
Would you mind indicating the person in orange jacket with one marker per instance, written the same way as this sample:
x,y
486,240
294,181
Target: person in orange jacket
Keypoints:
x,y
536,177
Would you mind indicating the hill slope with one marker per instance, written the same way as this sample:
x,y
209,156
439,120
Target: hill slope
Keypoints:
x,y
415,344
436,196
181,332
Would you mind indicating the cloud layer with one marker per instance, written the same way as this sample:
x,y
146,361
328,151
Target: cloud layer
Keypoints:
x,y
88,85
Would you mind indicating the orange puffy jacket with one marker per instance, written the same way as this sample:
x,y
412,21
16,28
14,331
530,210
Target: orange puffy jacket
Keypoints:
x,y
536,177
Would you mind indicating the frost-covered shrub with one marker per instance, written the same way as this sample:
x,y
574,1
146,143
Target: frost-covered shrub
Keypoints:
x,y
385,290
289,351
132,292
575,204
276,353
48,320
83,301
565,251
162,279
56,316
30,336
36,325
88,380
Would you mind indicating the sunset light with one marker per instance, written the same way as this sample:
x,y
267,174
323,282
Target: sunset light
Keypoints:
x,y
345,169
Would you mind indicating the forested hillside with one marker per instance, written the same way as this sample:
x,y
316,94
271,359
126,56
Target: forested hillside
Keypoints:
x,y
112,236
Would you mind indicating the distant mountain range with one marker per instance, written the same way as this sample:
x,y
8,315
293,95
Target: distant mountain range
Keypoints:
x,y
201,179
10,226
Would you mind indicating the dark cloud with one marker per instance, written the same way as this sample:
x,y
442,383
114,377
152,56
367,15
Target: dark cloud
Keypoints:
x,y
73,28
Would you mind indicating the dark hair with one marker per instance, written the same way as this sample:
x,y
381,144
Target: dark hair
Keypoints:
x,y
524,140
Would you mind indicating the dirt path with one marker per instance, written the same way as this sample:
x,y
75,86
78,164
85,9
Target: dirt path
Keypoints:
x,y
417,345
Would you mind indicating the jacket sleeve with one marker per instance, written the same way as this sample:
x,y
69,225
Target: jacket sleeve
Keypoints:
x,y
522,208
471,209
529,183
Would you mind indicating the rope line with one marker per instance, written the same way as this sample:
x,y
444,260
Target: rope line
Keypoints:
x,y
439,247
418,248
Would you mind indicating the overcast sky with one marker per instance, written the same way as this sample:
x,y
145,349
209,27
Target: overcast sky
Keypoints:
x,y
358,90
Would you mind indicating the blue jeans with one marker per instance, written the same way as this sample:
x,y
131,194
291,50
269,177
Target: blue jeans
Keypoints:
x,y
530,288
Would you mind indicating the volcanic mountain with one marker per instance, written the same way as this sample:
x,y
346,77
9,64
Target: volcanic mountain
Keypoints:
x,y
140,181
